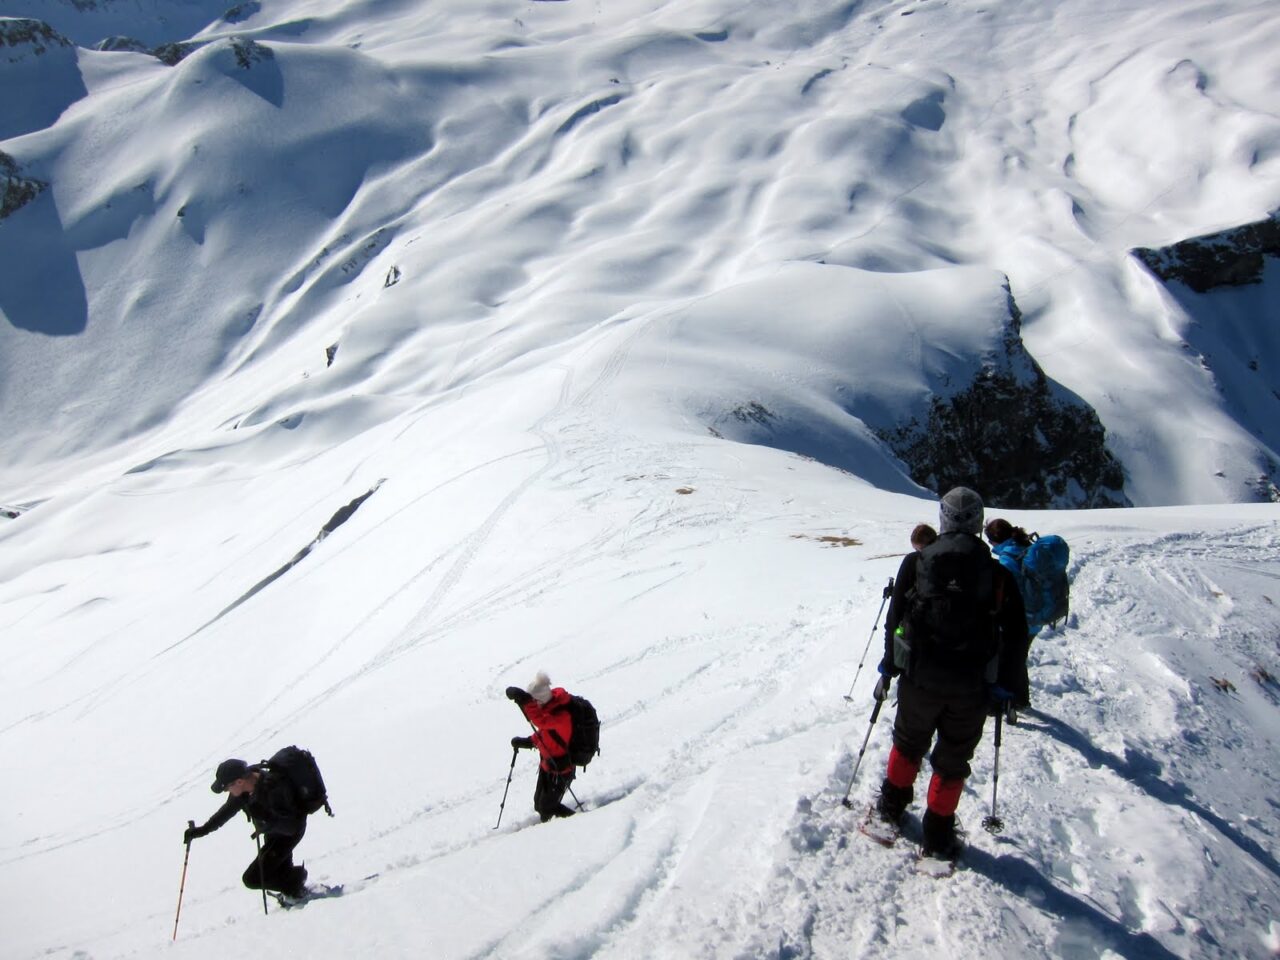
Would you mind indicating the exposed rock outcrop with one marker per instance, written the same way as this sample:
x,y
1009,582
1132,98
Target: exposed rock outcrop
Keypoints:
x,y
16,191
121,44
247,52
903,380
1232,257
1017,443
1023,441
242,11
172,54
20,37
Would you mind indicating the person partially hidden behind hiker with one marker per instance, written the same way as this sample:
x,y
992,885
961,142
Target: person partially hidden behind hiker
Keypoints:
x,y
1009,544
957,636
548,710
922,535
267,798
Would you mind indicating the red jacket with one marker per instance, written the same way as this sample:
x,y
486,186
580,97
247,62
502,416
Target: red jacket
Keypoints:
x,y
554,728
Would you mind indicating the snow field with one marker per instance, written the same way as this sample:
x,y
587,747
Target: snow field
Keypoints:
x,y
553,244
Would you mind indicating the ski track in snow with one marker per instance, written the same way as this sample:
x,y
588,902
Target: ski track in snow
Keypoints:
x,y
1063,890
426,623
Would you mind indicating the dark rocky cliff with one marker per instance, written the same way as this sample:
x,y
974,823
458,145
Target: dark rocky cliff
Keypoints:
x,y
16,191
1011,433
1232,257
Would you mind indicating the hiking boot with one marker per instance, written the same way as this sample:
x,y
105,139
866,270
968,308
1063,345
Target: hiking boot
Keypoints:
x,y
892,802
297,888
563,811
940,840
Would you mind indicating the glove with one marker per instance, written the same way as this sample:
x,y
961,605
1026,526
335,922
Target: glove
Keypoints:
x,y
881,692
518,695
1001,700
521,743
192,832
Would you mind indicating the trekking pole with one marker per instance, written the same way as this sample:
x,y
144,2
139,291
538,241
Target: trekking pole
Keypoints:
x,y
993,824
182,884
569,787
875,715
888,592
515,752
262,872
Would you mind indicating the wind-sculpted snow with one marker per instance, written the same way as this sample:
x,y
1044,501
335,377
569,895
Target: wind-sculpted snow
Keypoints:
x,y
930,365
539,272
535,171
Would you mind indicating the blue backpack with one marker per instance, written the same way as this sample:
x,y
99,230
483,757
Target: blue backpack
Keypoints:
x,y
1045,589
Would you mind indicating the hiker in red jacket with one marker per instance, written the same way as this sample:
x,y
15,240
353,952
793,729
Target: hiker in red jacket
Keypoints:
x,y
548,710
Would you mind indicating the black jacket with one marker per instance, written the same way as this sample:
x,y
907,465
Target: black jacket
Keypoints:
x,y
1010,626
272,807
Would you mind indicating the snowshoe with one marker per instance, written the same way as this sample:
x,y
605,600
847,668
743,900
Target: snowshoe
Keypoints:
x,y
882,831
318,892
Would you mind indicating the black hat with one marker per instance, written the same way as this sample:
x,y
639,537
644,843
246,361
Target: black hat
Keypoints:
x,y
229,771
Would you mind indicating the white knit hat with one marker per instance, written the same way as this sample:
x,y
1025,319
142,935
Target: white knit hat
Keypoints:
x,y
540,688
960,512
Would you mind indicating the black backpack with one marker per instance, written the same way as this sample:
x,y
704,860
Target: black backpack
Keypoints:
x,y
584,741
950,618
299,768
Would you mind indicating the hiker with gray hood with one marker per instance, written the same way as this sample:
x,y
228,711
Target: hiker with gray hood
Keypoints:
x,y
957,638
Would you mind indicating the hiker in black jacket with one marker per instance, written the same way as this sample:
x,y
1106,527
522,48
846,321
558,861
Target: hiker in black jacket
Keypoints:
x,y
268,799
957,636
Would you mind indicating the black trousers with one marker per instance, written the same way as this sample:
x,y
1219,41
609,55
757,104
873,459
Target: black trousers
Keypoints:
x,y
957,719
548,795
273,868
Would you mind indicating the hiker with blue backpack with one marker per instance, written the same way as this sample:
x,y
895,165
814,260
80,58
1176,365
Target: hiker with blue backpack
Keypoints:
x,y
1039,565
565,734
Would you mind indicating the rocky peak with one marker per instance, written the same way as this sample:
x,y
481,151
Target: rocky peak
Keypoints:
x,y
20,36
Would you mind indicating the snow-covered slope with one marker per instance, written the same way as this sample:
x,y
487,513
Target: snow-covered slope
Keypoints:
x,y
684,587
586,301
529,171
